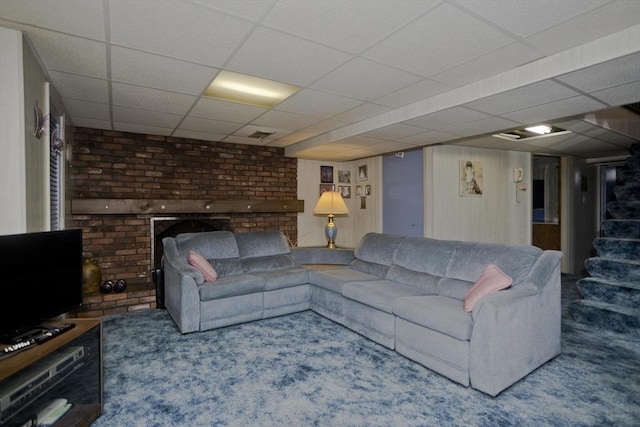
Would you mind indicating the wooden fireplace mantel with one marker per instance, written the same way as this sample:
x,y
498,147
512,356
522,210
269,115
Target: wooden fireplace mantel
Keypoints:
x,y
167,206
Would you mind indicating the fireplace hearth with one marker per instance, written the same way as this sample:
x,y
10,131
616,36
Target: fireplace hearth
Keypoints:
x,y
162,227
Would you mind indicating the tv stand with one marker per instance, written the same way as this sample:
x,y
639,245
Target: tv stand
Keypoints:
x,y
68,366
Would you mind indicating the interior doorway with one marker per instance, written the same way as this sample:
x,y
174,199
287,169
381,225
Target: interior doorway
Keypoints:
x,y
546,202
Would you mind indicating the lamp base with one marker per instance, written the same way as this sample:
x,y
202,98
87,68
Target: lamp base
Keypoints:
x,y
331,231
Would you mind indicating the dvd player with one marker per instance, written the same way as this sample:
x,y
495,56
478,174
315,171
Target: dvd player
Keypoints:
x,y
26,386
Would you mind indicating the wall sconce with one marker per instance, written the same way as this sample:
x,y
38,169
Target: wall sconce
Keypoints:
x,y
330,203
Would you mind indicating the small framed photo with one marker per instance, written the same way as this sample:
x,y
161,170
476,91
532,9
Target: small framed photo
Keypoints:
x,y
363,203
367,190
359,191
326,174
327,187
344,177
362,173
345,191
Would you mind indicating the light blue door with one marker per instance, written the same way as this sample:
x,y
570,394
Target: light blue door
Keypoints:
x,y
403,194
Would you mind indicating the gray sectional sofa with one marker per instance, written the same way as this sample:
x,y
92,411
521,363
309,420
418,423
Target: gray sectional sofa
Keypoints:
x,y
405,293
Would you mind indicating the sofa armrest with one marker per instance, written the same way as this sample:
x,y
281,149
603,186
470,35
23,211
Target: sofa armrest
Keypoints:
x,y
181,293
514,332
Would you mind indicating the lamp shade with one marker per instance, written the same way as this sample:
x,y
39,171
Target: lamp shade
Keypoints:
x,y
330,203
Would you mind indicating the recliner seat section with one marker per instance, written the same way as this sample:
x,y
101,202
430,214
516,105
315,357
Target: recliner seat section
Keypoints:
x,y
405,293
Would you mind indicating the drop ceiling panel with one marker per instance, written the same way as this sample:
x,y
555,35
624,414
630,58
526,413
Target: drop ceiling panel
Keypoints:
x,y
413,93
324,126
218,127
208,108
88,110
140,68
619,95
151,99
205,136
428,138
75,55
395,132
494,62
80,87
524,18
420,47
608,74
247,9
142,129
524,97
91,25
284,58
359,24
216,38
609,18
145,117
92,123
284,120
365,80
319,104
362,112
446,118
478,127
563,108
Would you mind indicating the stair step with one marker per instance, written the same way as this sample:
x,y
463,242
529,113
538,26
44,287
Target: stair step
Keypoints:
x,y
595,289
622,271
628,192
622,228
624,210
616,248
607,316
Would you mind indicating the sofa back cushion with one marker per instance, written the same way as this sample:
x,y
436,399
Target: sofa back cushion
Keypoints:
x,y
471,258
262,243
209,244
217,247
374,253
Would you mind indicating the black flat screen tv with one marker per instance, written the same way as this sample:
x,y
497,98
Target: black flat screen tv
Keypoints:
x,y
40,279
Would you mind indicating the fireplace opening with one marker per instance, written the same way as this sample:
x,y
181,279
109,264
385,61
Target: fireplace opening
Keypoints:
x,y
162,227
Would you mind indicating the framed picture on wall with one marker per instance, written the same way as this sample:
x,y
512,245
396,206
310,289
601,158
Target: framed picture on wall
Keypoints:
x,y
471,178
344,177
326,174
327,187
345,191
362,173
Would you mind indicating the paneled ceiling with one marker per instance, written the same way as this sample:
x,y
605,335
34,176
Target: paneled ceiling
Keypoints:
x,y
377,76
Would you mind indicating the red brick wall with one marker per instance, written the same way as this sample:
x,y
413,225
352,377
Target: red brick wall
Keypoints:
x,y
112,165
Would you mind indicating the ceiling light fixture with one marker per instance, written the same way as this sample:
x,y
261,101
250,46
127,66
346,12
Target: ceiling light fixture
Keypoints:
x,y
245,89
539,129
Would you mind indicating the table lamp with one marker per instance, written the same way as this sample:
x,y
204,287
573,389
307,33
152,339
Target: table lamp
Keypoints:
x,y
330,203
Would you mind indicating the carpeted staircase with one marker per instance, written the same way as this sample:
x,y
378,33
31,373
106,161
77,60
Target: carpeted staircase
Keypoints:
x,y
612,293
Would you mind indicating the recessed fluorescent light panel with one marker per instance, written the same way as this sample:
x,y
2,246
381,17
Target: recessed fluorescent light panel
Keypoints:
x,y
531,132
244,89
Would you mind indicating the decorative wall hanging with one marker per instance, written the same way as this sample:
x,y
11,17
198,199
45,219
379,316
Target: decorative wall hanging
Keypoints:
x,y
362,173
39,121
326,174
471,178
344,177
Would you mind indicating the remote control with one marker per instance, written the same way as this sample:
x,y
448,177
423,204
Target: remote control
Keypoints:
x,y
17,348
53,332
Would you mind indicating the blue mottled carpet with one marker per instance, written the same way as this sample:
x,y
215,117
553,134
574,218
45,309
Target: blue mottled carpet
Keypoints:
x,y
305,370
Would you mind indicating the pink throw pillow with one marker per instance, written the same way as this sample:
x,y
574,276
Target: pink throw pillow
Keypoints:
x,y
491,280
199,262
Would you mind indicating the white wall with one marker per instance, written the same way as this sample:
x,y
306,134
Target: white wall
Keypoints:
x,y
13,217
24,170
352,227
497,216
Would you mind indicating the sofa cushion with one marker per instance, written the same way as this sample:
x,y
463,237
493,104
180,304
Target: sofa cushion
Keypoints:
x,y
453,288
377,248
378,294
231,286
491,280
335,279
285,278
199,262
425,255
267,263
227,267
262,243
378,270
426,282
209,244
470,259
441,314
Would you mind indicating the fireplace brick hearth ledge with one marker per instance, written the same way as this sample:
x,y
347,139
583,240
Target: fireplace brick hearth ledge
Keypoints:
x,y
171,206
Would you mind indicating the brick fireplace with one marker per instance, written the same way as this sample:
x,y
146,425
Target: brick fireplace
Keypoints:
x,y
123,183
